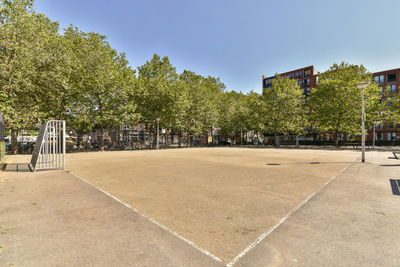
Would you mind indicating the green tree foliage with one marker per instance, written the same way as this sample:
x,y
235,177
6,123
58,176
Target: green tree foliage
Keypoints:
x,y
101,83
390,106
202,100
336,103
284,108
227,111
239,113
161,94
194,97
211,89
257,115
79,77
29,75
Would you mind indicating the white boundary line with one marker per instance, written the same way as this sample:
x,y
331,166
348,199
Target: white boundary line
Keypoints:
x,y
264,235
202,250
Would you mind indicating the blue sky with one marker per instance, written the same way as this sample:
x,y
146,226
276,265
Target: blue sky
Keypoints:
x,y
239,40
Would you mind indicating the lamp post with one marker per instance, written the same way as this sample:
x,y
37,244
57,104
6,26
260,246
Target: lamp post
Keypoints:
x,y
362,86
158,132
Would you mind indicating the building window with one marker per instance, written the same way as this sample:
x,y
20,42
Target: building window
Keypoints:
x,y
381,93
291,75
391,77
307,73
379,136
306,91
299,83
299,74
391,136
393,86
380,79
307,82
268,82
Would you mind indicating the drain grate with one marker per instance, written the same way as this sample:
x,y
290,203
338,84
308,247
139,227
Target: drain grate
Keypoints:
x,y
316,162
273,164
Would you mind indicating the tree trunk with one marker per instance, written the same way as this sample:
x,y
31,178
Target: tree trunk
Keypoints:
x,y
258,140
276,139
14,141
78,140
335,136
171,142
180,139
212,136
241,137
102,138
297,141
145,134
234,138
119,138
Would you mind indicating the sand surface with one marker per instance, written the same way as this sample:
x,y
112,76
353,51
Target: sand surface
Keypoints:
x,y
221,199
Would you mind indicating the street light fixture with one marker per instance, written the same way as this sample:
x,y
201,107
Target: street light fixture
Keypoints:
x,y
158,132
362,86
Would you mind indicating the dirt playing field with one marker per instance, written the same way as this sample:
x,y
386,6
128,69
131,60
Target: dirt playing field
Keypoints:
x,y
221,199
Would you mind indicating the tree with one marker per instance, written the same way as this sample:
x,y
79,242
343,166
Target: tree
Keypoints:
x,y
336,102
390,106
284,104
102,84
30,70
228,103
202,97
233,113
257,115
195,101
211,89
161,94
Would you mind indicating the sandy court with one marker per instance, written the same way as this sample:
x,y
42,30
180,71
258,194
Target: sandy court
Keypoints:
x,y
221,199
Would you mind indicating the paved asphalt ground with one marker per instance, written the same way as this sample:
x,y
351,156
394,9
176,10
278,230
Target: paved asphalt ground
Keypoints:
x,y
54,218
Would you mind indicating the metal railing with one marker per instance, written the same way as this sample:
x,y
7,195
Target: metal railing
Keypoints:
x,y
50,148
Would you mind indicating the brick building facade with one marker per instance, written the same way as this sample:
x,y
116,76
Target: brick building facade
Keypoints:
x,y
387,80
307,78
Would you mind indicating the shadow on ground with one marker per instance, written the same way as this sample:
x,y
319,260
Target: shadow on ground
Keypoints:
x,y
15,167
313,162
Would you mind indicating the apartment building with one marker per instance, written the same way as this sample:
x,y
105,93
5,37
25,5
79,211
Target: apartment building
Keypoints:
x,y
387,80
307,78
